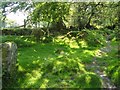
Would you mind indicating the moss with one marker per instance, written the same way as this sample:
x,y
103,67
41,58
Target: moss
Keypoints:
x,y
89,80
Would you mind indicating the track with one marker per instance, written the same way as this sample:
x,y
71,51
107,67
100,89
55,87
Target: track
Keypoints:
x,y
106,82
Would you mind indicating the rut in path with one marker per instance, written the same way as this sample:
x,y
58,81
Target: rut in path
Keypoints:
x,y
106,82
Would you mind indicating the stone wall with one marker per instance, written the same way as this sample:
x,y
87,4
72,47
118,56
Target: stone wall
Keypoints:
x,y
9,60
21,31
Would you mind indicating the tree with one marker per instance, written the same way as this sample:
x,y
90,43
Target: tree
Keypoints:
x,y
51,13
57,14
3,13
92,15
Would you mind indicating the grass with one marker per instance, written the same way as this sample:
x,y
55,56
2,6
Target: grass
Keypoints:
x,y
46,68
59,64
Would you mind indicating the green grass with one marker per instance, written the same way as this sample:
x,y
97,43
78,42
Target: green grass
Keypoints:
x,y
59,64
43,67
21,41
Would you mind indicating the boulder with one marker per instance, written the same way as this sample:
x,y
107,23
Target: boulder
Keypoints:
x,y
8,52
0,69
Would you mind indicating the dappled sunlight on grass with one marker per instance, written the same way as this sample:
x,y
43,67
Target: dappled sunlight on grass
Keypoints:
x,y
83,44
84,56
50,63
32,77
88,52
62,63
72,43
58,63
100,54
44,83
36,62
20,68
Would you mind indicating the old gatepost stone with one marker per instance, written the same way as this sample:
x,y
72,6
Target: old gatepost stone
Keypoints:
x,y
0,68
9,59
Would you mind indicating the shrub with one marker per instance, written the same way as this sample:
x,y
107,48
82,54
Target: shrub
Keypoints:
x,y
94,38
113,72
89,80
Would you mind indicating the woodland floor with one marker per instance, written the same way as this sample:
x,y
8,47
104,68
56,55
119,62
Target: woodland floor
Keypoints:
x,y
63,64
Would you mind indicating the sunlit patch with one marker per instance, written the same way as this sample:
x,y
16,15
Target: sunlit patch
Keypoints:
x,y
99,53
64,83
60,37
10,44
58,62
26,39
38,57
33,42
36,61
20,68
83,44
60,56
44,83
37,73
73,44
35,50
19,53
32,77
67,41
88,79
22,36
81,67
88,52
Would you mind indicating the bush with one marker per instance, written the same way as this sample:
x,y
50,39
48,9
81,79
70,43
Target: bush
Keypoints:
x,y
113,72
89,80
94,38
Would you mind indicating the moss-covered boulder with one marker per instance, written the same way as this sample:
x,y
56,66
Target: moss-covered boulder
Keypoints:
x,y
0,69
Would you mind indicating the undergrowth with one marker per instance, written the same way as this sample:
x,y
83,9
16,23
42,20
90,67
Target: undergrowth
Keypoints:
x,y
60,63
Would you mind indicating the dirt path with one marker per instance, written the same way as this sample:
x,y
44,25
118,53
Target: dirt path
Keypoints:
x,y
106,81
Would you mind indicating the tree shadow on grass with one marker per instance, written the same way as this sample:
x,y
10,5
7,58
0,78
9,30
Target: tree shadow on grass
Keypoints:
x,y
38,65
51,65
